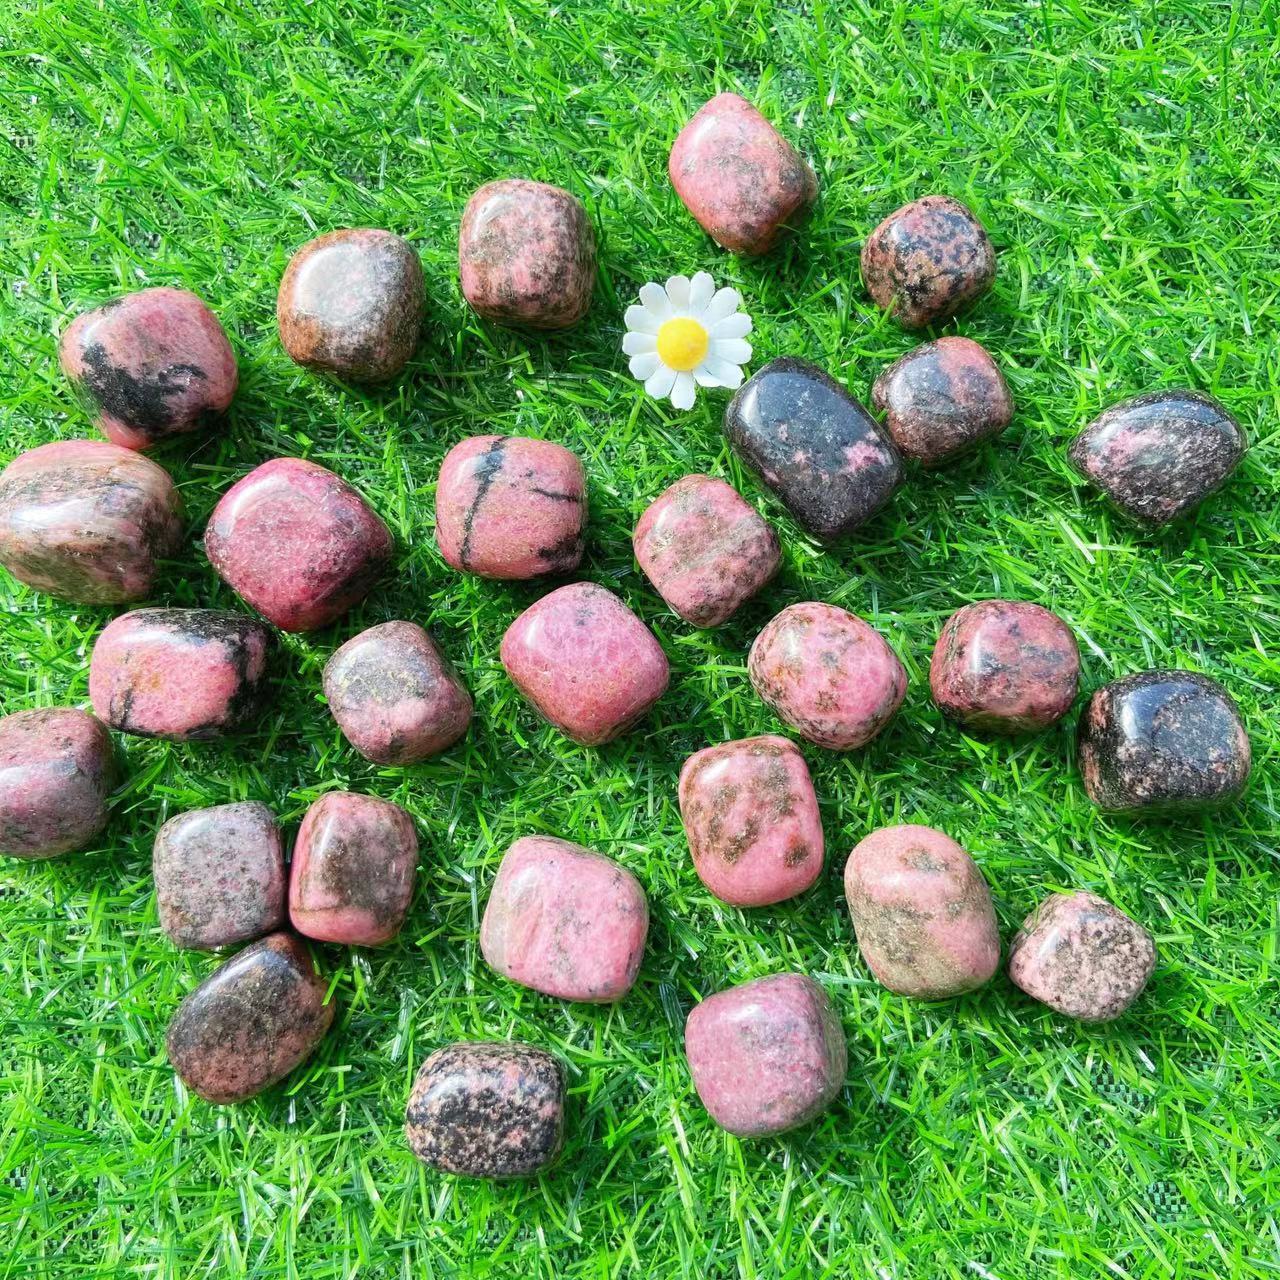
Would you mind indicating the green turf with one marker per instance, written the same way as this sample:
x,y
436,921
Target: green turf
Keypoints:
x,y
1124,159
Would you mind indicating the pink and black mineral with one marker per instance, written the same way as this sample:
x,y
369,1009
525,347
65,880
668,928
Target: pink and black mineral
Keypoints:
x,y
483,1110
815,446
1157,456
150,365
87,521
1163,742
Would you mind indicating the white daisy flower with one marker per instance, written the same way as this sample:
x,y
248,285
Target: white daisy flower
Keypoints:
x,y
687,335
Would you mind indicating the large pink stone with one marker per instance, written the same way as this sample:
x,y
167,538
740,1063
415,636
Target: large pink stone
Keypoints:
x,y
297,543
738,175
766,1056
752,821
565,921
828,674
511,507
586,662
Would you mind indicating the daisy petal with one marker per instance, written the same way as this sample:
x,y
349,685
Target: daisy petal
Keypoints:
x,y
644,365
634,343
660,382
725,303
737,325
702,289
715,372
732,349
641,320
678,292
683,393
655,300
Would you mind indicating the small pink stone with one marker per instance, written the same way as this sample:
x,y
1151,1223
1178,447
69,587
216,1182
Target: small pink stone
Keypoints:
x,y
766,1056
751,819
586,662
565,921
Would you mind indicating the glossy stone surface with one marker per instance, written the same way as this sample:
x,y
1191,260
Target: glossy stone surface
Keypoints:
x,y
350,304
1157,456
922,913
251,1022
511,507
738,176
585,662
828,674
1005,666
87,521
814,445
395,696
565,921
297,543
927,260
1082,957
180,673
942,400
1162,742
766,1056
527,254
487,1110
57,772
705,549
219,875
354,861
751,818
151,364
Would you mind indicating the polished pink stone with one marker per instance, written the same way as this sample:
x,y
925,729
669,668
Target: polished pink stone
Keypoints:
x,y
87,521
828,674
151,364
57,772
751,818
766,1056
738,175
297,543
706,549
511,507
565,921
586,662
353,868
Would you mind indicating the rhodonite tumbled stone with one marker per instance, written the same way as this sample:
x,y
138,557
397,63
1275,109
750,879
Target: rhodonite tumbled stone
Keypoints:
x,y
297,543
738,176
151,364
1162,741
350,303
1006,666
57,772
814,445
942,399
354,861
565,921
828,674
87,521
586,662
487,1110
705,549
766,1056
751,818
219,875
1081,956
1157,456
527,254
251,1022
511,507
921,912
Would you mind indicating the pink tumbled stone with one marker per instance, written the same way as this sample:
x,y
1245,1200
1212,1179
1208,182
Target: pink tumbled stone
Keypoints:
x,y
738,175
766,1056
828,674
353,868
511,507
586,662
297,543
706,549
565,921
751,819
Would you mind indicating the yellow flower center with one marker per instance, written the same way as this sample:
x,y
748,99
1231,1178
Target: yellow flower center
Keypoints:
x,y
682,344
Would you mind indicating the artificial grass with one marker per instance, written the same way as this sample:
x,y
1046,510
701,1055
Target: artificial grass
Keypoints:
x,y
1123,158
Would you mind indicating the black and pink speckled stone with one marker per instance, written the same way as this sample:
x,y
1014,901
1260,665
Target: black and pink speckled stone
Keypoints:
x,y
1162,741
1157,456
